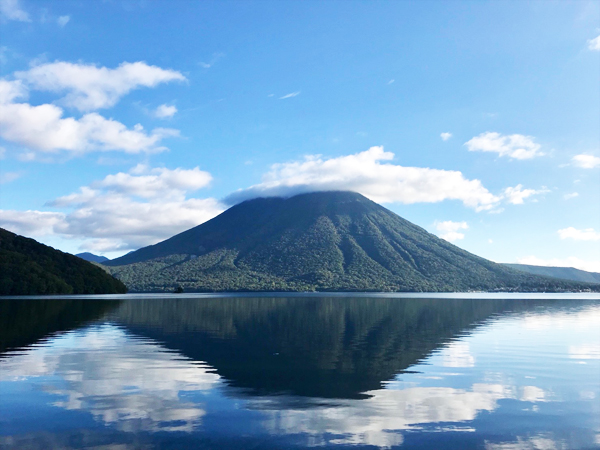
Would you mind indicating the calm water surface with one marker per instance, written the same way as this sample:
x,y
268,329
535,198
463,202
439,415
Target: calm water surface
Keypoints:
x,y
293,372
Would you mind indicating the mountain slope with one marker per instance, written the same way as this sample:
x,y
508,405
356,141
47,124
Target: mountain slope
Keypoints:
x,y
30,268
565,273
338,241
91,257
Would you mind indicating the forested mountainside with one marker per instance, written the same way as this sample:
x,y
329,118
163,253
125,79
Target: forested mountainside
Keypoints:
x,y
30,268
323,241
566,273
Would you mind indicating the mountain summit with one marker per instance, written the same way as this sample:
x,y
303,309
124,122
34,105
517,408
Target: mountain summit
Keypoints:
x,y
337,241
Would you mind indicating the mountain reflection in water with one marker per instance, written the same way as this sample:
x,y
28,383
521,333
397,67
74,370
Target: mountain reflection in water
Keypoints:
x,y
288,372
313,347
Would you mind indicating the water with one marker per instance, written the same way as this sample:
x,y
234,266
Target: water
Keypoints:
x,y
343,371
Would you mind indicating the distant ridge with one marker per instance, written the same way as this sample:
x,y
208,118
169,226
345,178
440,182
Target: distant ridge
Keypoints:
x,y
91,257
324,241
565,273
30,268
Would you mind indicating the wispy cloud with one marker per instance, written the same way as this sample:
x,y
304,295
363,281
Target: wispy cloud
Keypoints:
x,y
391,81
290,95
11,10
450,230
571,195
586,161
516,195
589,234
516,146
7,177
89,87
165,111
594,44
63,20
445,136
213,60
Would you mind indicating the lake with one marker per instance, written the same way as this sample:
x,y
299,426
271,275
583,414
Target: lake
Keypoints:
x,y
282,371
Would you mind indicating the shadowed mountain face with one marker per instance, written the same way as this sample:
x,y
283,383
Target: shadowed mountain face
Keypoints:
x,y
338,241
310,347
30,268
91,257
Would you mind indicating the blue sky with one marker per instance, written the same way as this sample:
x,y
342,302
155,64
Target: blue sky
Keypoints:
x,y
125,122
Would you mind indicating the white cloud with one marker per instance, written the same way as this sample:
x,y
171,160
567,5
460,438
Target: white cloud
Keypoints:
x,y
43,129
213,60
11,10
290,95
7,177
365,173
516,195
589,234
63,20
89,87
144,182
30,223
391,81
11,90
516,146
571,195
450,230
571,261
445,136
165,111
594,44
586,161
123,211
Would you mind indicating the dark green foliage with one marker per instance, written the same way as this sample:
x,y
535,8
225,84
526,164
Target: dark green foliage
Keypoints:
x,y
30,268
326,241
566,273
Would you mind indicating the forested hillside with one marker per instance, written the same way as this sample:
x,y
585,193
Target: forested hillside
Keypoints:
x,y
30,268
565,273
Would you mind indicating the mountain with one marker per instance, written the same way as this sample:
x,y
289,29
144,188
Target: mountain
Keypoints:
x,y
91,257
30,268
566,273
328,241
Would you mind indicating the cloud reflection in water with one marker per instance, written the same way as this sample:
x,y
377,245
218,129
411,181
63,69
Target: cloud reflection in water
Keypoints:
x,y
130,383
136,385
